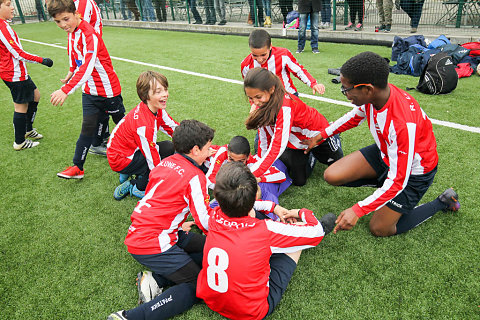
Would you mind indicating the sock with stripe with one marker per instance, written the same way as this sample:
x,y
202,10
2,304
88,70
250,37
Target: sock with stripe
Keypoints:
x,y
418,215
31,113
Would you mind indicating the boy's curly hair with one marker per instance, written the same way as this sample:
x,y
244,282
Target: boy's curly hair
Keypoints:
x,y
366,67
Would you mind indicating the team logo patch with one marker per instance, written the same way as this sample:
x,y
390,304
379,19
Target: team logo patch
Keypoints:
x,y
152,144
11,41
207,200
218,162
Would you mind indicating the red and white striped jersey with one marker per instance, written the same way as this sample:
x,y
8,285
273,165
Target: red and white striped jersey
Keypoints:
x,y
295,122
12,57
282,63
272,175
176,188
91,64
90,12
234,280
138,131
404,135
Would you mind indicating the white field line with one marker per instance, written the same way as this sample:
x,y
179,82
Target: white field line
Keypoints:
x,y
309,96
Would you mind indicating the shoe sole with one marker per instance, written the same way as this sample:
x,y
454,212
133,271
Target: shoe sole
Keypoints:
x,y
97,153
64,176
141,297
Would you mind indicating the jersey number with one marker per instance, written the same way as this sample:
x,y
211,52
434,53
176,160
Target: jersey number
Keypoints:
x,y
217,278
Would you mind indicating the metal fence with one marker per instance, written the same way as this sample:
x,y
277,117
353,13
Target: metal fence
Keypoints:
x,y
436,14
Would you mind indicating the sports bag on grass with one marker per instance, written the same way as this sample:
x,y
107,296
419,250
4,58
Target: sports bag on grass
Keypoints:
x,y
439,76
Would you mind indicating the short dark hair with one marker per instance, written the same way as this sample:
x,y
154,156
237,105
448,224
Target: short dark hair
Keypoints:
x,y
366,67
147,80
191,133
55,7
235,189
259,38
239,145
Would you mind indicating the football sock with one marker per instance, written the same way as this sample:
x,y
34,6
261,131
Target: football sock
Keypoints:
x,y
171,302
362,183
418,215
19,126
31,113
81,150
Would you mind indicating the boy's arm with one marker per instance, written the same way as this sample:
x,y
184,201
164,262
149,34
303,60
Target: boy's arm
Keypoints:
x,y
199,201
302,74
83,72
167,125
12,46
285,238
350,120
215,165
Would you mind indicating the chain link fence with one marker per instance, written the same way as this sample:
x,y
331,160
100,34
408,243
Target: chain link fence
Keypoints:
x,y
435,14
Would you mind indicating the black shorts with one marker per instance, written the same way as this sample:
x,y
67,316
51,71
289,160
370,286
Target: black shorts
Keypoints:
x,y
413,192
22,91
281,271
95,104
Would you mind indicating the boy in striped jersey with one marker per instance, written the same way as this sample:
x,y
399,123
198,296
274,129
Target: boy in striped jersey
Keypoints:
x,y
13,71
90,68
247,262
401,164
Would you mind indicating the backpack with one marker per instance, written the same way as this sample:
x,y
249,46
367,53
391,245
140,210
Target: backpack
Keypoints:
x,y
439,76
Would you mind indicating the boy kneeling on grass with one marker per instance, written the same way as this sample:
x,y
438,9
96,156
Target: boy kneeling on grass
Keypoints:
x,y
247,262
401,163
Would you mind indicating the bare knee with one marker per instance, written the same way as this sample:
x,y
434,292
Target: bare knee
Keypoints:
x,y
379,230
36,95
332,176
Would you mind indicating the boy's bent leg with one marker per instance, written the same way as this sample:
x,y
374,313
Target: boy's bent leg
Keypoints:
x,y
282,267
348,169
173,301
383,222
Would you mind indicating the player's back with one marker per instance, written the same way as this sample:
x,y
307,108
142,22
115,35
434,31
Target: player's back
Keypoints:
x,y
236,269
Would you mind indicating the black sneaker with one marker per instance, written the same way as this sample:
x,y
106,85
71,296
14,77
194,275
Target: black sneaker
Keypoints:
x,y
198,22
388,28
382,28
222,23
328,222
450,198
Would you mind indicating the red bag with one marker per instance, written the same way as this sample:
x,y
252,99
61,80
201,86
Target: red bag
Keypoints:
x,y
464,70
474,48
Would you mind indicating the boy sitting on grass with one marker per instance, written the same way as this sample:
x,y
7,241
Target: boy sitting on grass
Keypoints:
x,y
247,262
133,148
90,68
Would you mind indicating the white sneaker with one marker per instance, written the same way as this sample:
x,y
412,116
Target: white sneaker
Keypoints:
x,y
326,25
33,135
148,288
27,144
117,316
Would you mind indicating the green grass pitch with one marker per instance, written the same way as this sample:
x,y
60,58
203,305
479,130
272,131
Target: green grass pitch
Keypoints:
x,y
61,242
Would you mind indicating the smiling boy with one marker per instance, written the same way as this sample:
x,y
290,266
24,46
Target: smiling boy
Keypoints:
x,y
13,71
401,164
133,148
91,69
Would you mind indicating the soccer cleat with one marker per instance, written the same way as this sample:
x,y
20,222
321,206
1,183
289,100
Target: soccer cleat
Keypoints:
x,y
33,135
299,50
137,193
315,51
123,177
27,144
349,26
72,172
122,190
359,27
101,150
147,287
117,316
450,198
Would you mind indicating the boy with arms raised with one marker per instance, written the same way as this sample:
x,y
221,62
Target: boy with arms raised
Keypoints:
x,y
91,69
247,262
133,148
13,71
403,161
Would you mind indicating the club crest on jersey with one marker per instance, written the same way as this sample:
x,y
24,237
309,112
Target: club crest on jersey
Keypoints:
x,y
11,41
78,62
207,200
152,144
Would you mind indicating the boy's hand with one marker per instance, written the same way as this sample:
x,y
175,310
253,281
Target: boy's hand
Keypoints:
x,y
47,62
187,225
312,142
292,216
58,97
67,78
318,88
281,212
346,220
